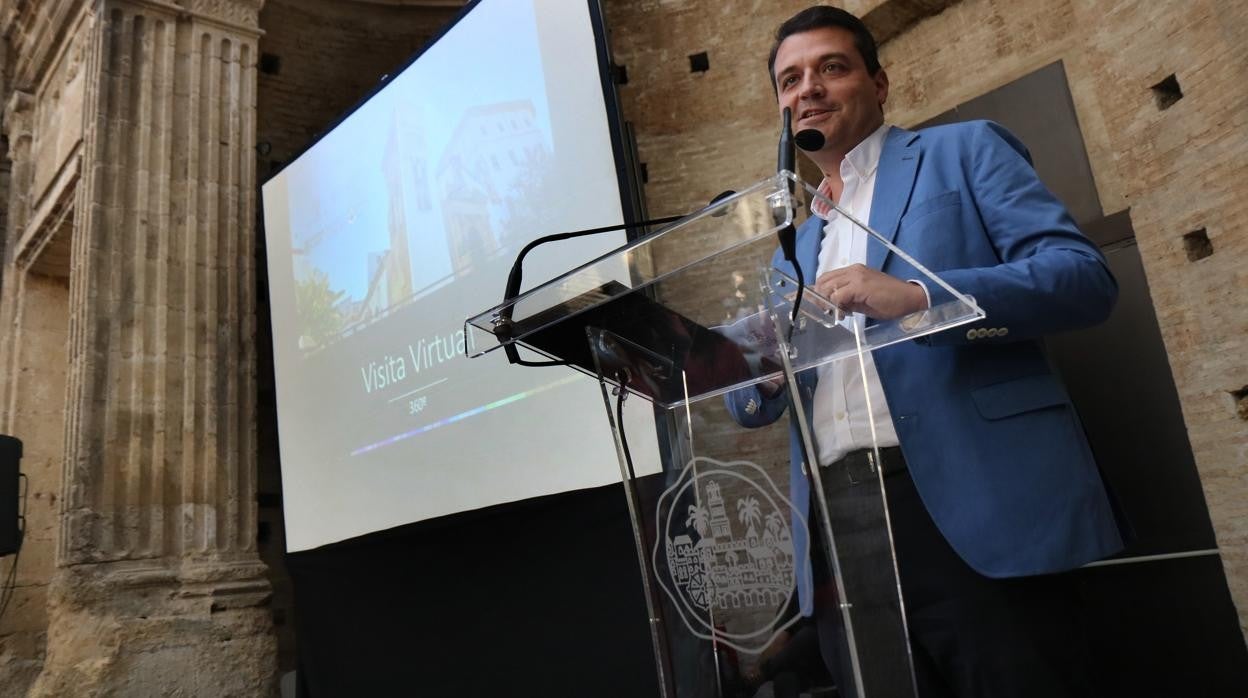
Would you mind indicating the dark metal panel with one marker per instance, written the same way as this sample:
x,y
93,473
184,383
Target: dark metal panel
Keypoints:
x,y
1039,110
1164,629
1119,378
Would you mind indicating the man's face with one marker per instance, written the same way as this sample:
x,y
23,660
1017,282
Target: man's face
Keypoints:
x,y
822,78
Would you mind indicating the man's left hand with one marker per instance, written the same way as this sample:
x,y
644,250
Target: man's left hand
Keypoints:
x,y
861,289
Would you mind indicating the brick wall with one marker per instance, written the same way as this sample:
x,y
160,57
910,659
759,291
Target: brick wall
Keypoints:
x,y
698,133
331,55
1179,169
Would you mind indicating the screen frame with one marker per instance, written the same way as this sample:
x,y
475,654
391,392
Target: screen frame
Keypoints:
x,y
632,208
630,199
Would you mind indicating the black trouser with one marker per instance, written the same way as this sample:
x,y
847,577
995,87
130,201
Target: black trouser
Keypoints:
x,y
970,635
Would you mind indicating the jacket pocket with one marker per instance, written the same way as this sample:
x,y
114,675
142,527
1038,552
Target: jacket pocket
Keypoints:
x,y
931,204
1018,396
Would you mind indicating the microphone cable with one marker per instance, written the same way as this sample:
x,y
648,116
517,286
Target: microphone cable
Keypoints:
x,y
512,290
786,162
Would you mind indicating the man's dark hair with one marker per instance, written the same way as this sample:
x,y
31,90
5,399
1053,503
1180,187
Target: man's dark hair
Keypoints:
x,y
819,17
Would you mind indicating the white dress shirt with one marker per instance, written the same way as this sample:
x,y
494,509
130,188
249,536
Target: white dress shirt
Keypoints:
x,y
840,414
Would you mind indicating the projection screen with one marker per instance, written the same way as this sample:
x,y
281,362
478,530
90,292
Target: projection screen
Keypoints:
x,y
392,228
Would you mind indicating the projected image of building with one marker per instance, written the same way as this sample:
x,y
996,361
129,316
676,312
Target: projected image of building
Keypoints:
x,y
489,174
421,262
380,234
398,269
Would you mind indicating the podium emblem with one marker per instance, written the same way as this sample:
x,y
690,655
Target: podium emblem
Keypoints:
x,y
724,552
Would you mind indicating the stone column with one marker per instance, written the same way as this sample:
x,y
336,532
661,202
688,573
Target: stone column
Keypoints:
x,y
159,590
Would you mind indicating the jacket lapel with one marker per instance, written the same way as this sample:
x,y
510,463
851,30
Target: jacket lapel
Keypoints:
x,y
808,247
894,182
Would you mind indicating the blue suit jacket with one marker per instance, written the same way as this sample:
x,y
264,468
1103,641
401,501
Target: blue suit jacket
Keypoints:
x,y
989,434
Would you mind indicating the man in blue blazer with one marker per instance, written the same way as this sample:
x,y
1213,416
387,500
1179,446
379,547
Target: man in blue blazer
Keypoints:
x,y
996,491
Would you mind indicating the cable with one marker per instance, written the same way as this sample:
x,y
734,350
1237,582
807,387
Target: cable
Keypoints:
x,y
622,377
9,589
512,290
504,326
797,302
786,159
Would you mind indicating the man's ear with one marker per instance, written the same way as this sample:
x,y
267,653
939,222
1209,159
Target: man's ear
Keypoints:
x,y
881,87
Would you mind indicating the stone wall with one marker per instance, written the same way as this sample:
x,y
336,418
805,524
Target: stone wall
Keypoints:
x,y
43,324
34,307
127,362
1178,168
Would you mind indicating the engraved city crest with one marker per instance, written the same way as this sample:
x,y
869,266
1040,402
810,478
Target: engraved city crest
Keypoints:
x,y
724,552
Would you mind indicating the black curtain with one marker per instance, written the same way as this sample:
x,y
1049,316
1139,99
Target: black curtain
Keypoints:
x,y
539,598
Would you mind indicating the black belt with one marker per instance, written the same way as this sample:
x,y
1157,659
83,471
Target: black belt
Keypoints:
x,y
859,465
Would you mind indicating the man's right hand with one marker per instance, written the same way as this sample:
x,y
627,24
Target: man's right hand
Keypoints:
x,y
860,289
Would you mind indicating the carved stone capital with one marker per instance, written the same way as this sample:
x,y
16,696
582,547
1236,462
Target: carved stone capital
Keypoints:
x,y
238,16
244,12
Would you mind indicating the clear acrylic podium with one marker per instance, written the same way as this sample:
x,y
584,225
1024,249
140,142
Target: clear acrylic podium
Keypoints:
x,y
741,551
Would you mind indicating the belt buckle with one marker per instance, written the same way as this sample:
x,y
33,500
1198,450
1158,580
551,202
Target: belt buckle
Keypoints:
x,y
871,471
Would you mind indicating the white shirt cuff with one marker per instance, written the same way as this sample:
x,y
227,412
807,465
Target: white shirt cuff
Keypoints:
x,y
926,293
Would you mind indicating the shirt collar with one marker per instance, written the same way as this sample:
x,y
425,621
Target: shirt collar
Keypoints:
x,y
861,162
865,157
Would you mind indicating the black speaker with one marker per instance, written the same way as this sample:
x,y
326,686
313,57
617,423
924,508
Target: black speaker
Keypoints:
x,y
10,458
